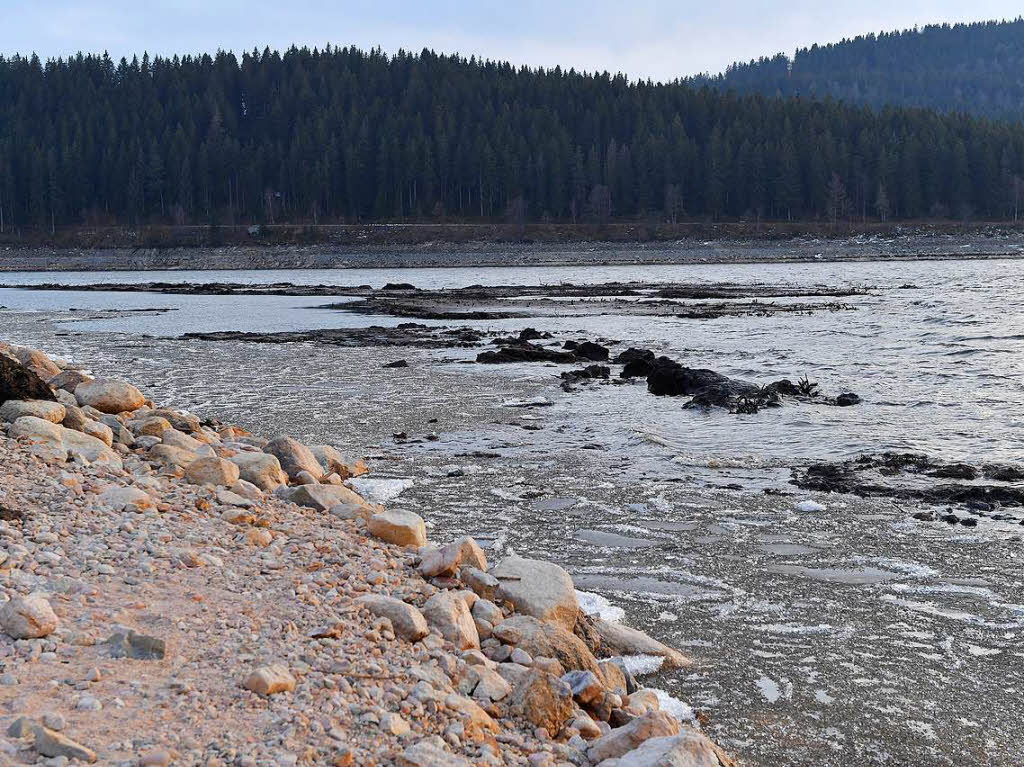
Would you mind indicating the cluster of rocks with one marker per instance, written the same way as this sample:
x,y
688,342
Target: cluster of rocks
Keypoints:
x,y
181,591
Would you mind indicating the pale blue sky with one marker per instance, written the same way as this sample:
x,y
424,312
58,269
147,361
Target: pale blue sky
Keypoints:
x,y
661,39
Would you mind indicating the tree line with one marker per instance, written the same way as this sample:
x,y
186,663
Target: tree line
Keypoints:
x,y
974,68
341,134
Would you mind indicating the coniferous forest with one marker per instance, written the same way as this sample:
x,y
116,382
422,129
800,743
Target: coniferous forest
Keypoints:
x,y
974,68
341,134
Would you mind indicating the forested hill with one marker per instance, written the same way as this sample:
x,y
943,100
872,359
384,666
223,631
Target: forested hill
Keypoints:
x,y
975,68
342,134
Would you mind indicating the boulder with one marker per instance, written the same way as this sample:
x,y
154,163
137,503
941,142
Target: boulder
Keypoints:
x,y
212,471
35,431
450,616
547,640
333,462
688,749
485,684
183,422
621,741
109,395
618,639
477,722
174,438
270,680
153,426
407,621
484,584
541,589
67,380
260,469
294,457
323,497
402,528
89,448
36,361
543,700
99,431
166,455
587,687
20,383
440,563
27,618
54,744
13,409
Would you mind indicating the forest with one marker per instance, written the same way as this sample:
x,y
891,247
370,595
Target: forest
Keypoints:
x,y
974,68
346,135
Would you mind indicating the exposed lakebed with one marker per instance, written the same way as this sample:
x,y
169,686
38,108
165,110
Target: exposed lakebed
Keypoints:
x,y
855,632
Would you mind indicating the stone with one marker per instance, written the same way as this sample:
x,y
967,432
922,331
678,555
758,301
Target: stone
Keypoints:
x,y
540,589
130,644
174,438
35,431
587,687
547,640
53,720
36,361
270,680
212,471
154,426
99,431
406,619
618,639
109,395
127,499
643,701
333,462
440,562
450,615
19,382
323,497
427,754
393,724
260,469
688,749
613,672
543,700
294,457
53,744
402,528
487,684
247,490
477,722
28,617
166,455
182,422
89,448
67,380
14,409
486,610
620,741
305,478
483,584
21,727
472,554
159,758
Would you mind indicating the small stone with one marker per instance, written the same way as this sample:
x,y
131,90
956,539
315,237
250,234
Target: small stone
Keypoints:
x,y
21,727
408,622
395,725
270,680
88,703
93,675
137,646
159,758
212,471
54,721
50,743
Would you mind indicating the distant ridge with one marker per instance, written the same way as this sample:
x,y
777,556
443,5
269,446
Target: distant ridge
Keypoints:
x,y
975,68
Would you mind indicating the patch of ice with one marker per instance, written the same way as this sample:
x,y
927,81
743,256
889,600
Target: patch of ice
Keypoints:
x,y
822,696
667,617
379,490
809,507
979,652
639,665
674,707
600,607
769,689
779,628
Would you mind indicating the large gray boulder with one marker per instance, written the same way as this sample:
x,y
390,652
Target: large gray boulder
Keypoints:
x,y
541,589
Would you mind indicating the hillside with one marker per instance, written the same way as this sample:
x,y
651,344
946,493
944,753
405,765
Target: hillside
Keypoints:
x,y
974,68
342,135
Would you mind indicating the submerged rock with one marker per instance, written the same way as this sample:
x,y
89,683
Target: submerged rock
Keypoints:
x,y
525,353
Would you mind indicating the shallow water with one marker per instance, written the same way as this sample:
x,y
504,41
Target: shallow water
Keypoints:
x,y
855,635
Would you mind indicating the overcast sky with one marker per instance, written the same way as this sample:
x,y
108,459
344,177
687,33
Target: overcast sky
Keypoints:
x,y
661,39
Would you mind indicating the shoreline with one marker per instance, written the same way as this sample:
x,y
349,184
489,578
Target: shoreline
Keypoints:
x,y
913,246
476,656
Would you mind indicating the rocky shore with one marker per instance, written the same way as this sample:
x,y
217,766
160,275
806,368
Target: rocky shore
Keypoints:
x,y
181,591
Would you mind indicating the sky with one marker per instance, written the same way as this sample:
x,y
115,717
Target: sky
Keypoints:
x,y
657,39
